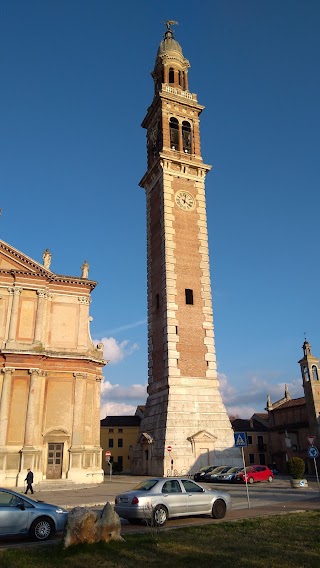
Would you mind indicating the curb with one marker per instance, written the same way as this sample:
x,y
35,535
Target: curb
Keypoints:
x,y
69,507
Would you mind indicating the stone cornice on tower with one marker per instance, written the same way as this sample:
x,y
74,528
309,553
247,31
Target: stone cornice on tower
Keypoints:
x,y
174,95
165,161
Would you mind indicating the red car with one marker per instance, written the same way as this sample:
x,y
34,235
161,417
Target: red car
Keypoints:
x,y
255,473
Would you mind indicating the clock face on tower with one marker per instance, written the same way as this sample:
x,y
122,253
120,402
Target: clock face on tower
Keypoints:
x,y
185,200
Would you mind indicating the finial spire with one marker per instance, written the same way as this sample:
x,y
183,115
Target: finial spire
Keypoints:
x,y
169,32
269,404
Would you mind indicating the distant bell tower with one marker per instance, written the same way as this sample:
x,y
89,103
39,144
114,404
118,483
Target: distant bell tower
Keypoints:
x,y
310,369
185,424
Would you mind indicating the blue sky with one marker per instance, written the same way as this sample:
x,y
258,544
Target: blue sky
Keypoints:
x,y
75,86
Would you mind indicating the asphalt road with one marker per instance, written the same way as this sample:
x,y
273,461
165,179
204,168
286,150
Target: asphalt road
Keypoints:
x,y
264,499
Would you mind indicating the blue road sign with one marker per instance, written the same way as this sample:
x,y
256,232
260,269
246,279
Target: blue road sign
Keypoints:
x,y
313,452
240,439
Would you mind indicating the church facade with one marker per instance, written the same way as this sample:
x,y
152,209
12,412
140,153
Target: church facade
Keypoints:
x,y
50,373
185,424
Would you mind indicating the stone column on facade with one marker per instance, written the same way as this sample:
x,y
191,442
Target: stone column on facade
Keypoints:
x,y
40,408
79,394
98,449
42,294
32,408
1,381
83,321
77,440
5,404
14,313
97,411
31,454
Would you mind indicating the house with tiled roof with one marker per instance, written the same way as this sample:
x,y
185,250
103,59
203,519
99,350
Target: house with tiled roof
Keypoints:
x,y
257,435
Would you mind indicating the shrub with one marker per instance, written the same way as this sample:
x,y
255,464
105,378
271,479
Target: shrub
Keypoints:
x,y
296,468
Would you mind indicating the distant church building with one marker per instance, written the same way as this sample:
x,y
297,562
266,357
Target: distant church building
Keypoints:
x,y
184,411
292,422
50,373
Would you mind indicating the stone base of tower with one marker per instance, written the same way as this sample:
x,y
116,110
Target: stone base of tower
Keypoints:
x,y
191,418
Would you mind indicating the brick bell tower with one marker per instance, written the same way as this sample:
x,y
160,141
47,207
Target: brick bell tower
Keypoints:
x,y
184,409
310,371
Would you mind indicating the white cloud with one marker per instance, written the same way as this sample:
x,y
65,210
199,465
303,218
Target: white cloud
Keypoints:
x,y
115,392
128,326
244,412
117,409
253,398
114,351
117,400
227,390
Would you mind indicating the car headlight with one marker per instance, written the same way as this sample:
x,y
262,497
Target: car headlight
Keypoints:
x,y
61,511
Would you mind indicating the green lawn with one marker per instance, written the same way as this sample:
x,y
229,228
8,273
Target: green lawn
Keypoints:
x,y
285,541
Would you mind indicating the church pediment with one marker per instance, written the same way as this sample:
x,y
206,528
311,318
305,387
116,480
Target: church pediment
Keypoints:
x,y
145,438
202,436
13,259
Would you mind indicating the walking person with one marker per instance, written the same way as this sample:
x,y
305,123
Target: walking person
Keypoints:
x,y
29,480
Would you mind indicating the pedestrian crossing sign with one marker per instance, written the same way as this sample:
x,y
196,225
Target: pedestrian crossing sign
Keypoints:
x,y
240,439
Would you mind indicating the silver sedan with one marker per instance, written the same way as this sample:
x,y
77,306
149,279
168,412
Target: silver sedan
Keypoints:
x,y
156,500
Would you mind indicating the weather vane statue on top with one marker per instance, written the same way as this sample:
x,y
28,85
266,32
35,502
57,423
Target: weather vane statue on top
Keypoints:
x,y
169,33
170,23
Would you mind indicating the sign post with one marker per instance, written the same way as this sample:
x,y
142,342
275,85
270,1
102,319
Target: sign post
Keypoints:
x,y
169,449
313,452
108,456
240,440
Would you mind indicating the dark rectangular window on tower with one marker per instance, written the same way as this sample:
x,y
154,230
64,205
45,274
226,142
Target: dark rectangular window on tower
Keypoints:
x,y
189,296
157,301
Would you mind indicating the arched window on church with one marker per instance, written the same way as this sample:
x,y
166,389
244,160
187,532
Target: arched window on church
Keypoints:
x,y
174,133
186,137
171,75
315,373
306,374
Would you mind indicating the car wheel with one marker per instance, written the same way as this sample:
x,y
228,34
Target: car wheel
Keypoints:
x,y
270,478
134,521
219,509
251,480
160,516
42,528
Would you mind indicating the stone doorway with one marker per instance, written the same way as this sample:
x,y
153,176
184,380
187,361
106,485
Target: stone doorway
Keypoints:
x,y
54,461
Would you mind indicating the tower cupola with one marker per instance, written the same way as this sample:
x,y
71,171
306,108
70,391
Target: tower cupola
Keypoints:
x,y
171,67
309,364
306,348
